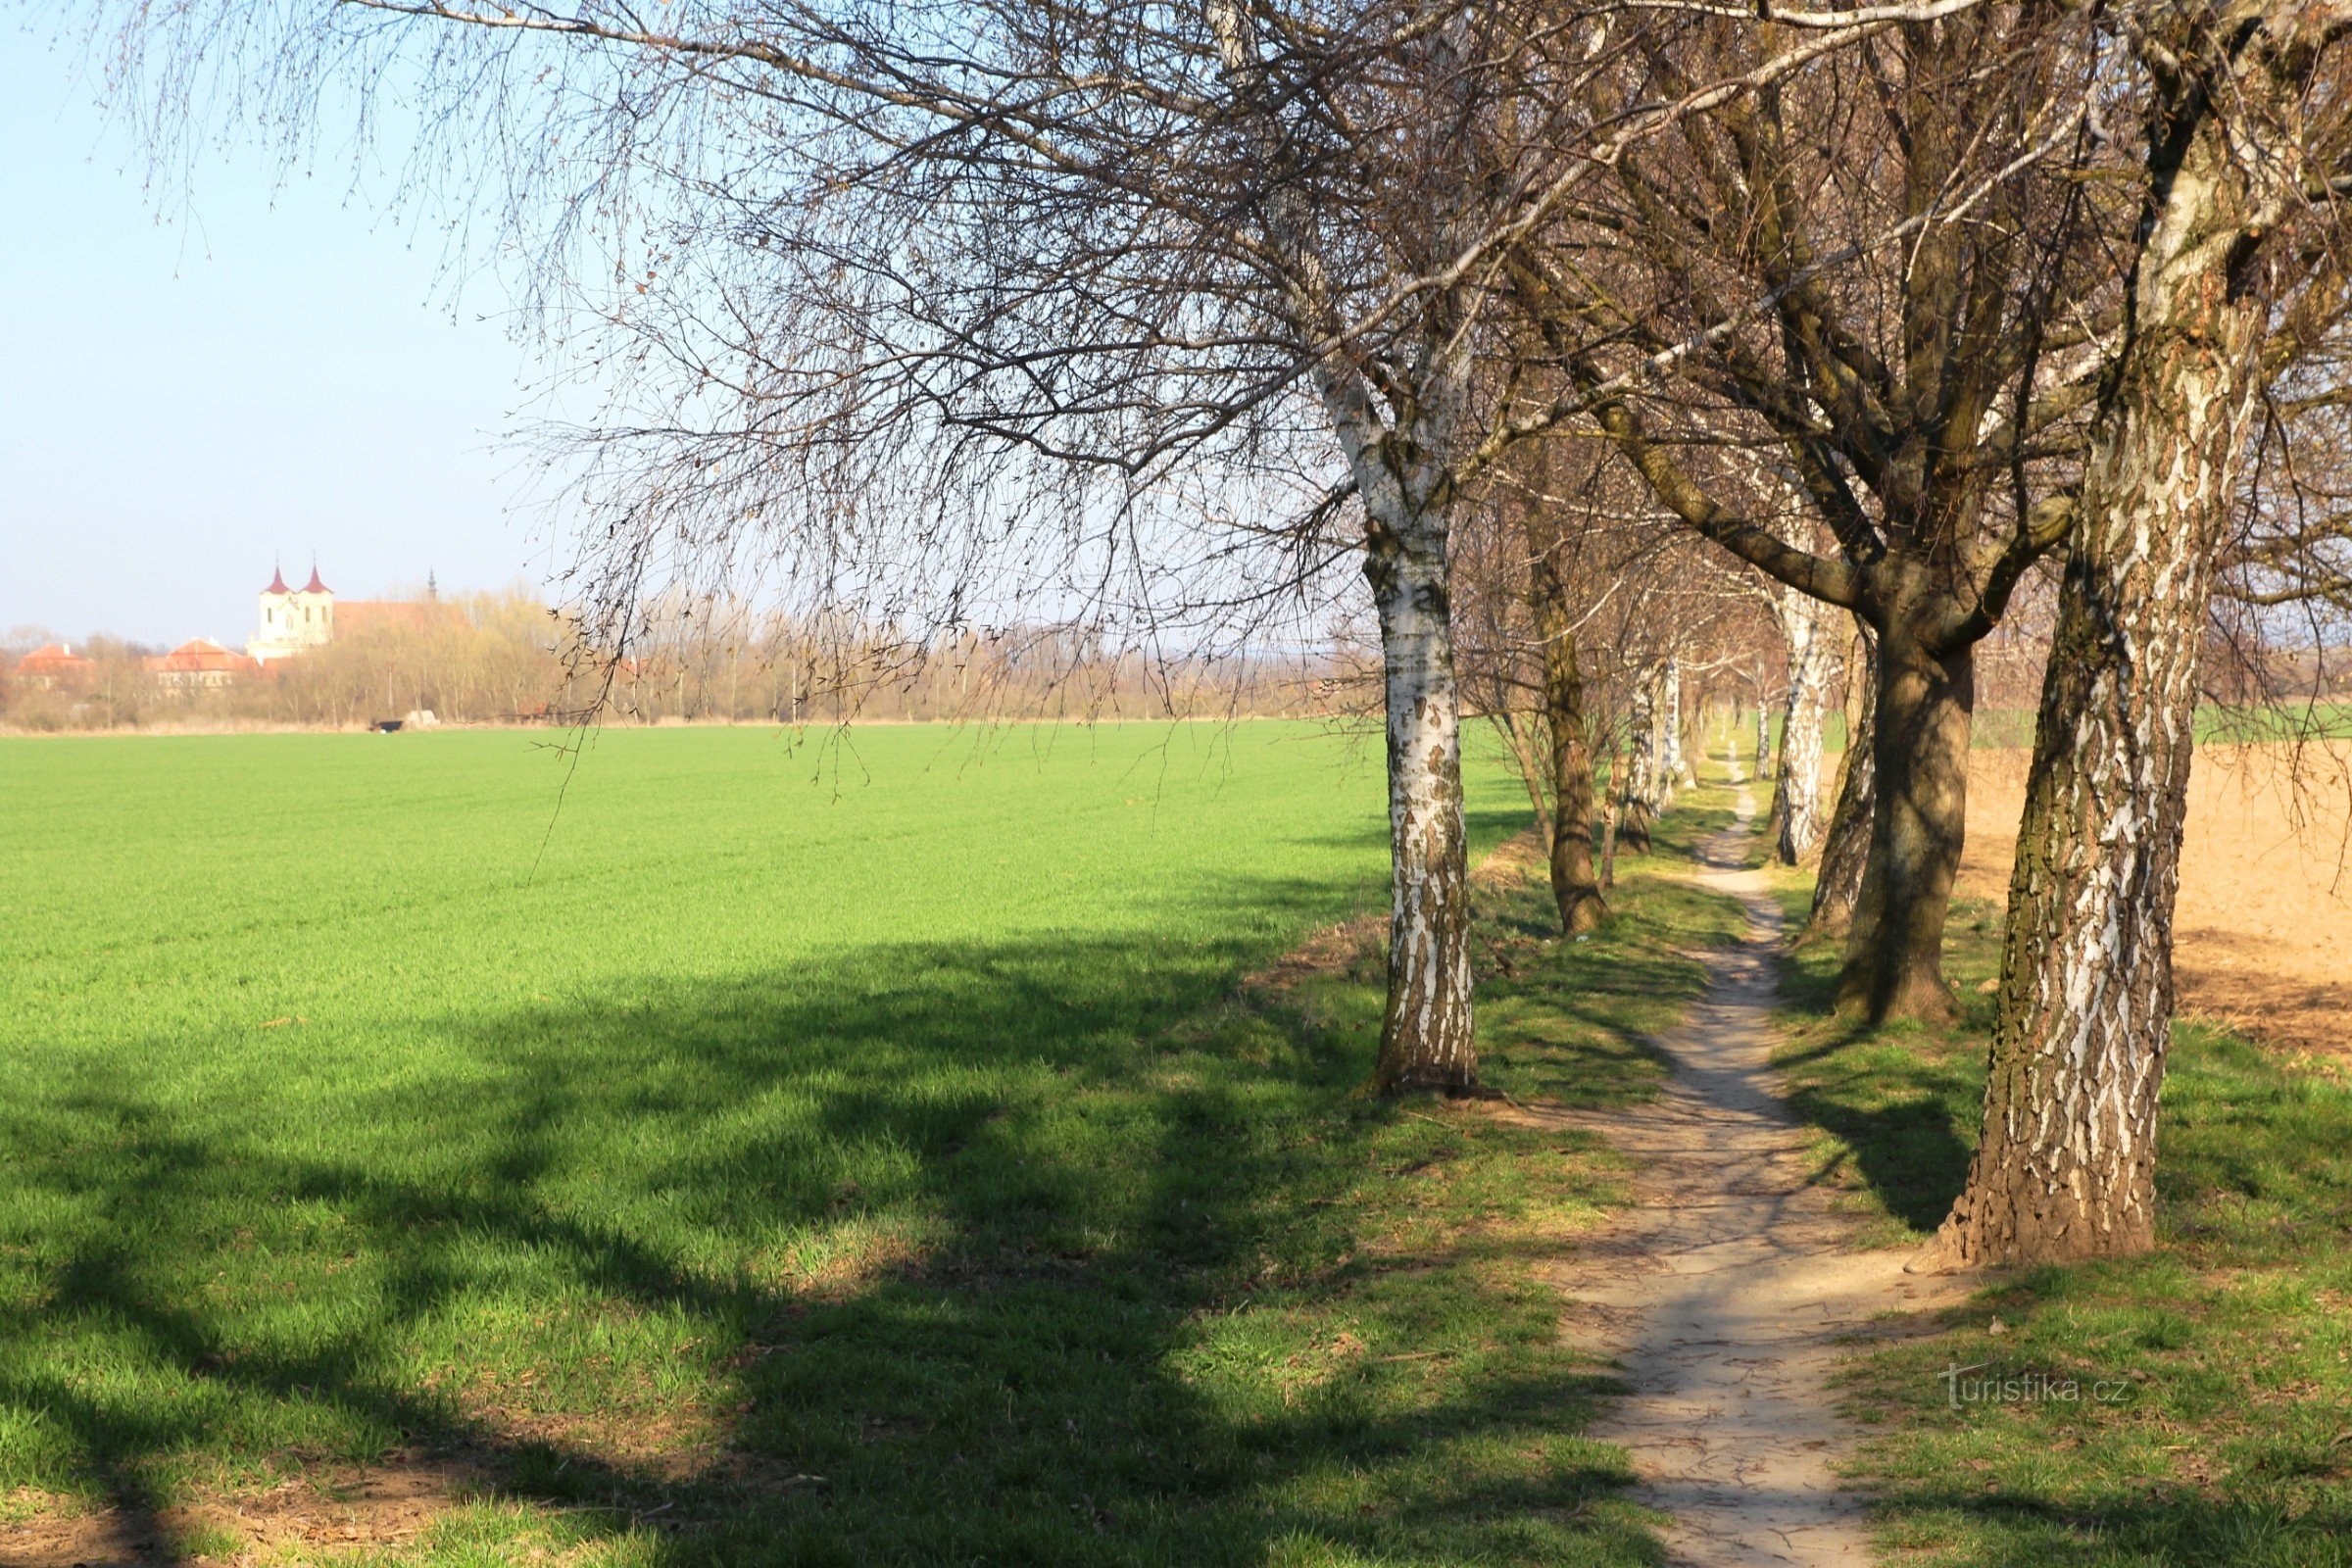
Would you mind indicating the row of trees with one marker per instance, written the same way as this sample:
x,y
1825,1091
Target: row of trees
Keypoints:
x,y
1850,323
506,657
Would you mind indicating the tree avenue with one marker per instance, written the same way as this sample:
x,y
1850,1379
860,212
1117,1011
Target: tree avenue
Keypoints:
x,y
1902,313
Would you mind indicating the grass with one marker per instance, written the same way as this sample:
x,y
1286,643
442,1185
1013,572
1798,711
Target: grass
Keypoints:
x,y
2194,1407
862,1154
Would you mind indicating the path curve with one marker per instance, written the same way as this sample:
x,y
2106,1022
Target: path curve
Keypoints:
x,y
1728,1285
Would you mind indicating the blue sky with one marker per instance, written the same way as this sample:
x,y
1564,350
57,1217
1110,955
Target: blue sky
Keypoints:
x,y
271,370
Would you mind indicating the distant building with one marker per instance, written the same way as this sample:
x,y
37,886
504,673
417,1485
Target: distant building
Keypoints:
x,y
53,664
295,620
200,662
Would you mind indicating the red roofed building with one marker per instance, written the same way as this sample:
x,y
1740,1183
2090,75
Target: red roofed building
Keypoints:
x,y
364,615
200,662
295,620
52,663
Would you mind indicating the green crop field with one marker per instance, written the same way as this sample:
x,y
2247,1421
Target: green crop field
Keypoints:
x,y
722,1151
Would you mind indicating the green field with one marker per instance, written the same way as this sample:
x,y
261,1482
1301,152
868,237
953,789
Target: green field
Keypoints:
x,y
728,1151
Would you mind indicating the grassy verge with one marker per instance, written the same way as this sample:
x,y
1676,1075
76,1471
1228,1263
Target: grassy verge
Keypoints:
x,y
735,1176
2194,1407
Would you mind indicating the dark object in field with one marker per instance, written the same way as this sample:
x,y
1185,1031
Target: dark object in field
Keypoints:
x,y
385,726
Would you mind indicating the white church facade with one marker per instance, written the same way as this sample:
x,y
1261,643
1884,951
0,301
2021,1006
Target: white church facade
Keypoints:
x,y
293,620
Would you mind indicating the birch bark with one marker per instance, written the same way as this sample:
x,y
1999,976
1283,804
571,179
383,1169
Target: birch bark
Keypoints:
x,y
1425,1038
1845,848
1796,804
1402,466
2066,1165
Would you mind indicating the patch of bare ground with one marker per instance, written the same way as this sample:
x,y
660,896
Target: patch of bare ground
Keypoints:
x,y
2264,928
325,1513
1732,1289
345,1508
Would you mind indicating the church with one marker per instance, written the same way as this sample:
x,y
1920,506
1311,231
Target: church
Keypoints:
x,y
295,620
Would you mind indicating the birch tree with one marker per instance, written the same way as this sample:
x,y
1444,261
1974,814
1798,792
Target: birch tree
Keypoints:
x,y
2246,139
1807,633
1845,845
1877,275
929,308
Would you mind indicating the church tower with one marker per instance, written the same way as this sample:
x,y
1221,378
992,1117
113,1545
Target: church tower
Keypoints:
x,y
292,620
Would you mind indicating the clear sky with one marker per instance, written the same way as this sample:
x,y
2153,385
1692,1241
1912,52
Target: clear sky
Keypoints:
x,y
272,371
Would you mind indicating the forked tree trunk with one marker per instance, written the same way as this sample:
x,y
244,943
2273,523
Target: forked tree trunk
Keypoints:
x,y
1919,756
1845,848
1574,887
2066,1165
1425,1037
1796,804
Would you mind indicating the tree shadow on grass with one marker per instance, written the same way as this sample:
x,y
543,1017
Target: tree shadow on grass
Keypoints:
x,y
1044,1250
1899,1100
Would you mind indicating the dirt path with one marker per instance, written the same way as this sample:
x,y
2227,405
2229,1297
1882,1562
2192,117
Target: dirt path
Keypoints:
x,y
1727,1288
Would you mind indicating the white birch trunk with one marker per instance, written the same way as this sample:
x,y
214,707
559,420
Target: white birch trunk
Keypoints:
x,y
1405,483
1673,767
2066,1165
1425,1040
1637,792
1806,627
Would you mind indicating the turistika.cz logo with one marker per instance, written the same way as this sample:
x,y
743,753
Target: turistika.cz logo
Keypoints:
x,y
1961,1390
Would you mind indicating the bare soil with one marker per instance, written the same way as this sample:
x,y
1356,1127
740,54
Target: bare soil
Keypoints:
x,y
340,1510
2264,935
1731,1290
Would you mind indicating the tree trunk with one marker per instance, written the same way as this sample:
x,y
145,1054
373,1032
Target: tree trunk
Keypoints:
x,y
1763,735
1637,787
1608,829
1845,848
1528,757
1918,757
1574,887
1425,1037
2066,1165
1796,806
1673,767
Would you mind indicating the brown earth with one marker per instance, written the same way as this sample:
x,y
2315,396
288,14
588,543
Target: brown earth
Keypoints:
x,y
2263,930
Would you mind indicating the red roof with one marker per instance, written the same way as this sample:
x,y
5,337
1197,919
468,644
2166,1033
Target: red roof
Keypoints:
x,y
51,658
201,655
315,586
358,614
278,582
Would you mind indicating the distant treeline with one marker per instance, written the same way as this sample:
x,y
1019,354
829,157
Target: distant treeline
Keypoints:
x,y
506,657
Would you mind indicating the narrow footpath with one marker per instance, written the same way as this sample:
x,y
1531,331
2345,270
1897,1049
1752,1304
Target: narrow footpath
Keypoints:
x,y
1726,1289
